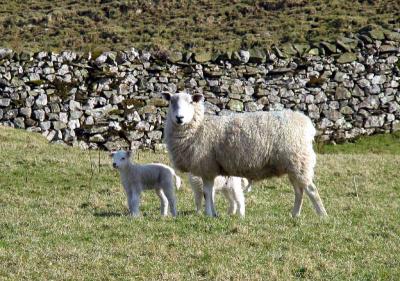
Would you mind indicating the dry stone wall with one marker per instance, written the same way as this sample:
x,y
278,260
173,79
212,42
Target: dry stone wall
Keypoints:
x,y
348,88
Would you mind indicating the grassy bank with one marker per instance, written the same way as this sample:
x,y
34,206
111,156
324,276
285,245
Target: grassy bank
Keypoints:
x,y
64,217
184,24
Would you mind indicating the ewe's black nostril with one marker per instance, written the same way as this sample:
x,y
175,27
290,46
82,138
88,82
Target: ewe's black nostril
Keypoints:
x,y
114,165
179,119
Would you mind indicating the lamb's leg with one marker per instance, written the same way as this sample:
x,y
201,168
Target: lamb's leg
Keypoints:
x,y
198,198
169,193
209,194
238,196
232,204
163,201
134,204
312,192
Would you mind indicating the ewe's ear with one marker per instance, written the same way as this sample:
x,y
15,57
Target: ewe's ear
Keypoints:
x,y
166,96
198,98
111,154
128,153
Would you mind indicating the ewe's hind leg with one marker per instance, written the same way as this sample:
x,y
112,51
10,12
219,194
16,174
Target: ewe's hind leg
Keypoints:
x,y
298,196
163,201
312,192
300,184
170,194
209,194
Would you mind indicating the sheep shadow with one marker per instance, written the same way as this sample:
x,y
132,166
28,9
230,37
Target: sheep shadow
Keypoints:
x,y
107,214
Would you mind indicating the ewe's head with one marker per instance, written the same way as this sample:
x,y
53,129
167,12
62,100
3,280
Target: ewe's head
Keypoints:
x,y
183,108
120,158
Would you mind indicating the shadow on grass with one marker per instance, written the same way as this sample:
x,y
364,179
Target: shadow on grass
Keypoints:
x,y
187,213
105,214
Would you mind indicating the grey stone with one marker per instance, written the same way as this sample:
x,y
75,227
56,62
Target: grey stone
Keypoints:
x,y
249,90
378,79
59,125
393,107
332,115
340,76
342,93
39,114
370,102
73,124
347,58
142,126
45,125
26,111
363,83
320,98
374,121
134,135
346,110
41,100
19,122
250,106
235,105
75,115
97,138
155,135
5,102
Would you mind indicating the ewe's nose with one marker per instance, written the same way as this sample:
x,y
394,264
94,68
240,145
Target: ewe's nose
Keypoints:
x,y
179,119
115,165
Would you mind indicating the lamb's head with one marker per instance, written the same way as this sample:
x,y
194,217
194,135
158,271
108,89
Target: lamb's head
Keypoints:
x,y
184,108
120,159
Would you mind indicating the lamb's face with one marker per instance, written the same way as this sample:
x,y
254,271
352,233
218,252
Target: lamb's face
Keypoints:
x,y
120,158
182,106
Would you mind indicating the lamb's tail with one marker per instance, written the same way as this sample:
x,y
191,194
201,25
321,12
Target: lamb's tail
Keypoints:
x,y
178,181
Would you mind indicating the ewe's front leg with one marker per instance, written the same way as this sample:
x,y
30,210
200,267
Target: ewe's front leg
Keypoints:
x,y
209,194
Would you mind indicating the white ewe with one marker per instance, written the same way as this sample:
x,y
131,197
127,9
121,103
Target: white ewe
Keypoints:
x,y
232,188
135,178
254,145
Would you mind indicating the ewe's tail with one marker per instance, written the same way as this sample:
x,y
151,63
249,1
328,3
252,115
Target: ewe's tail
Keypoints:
x,y
178,181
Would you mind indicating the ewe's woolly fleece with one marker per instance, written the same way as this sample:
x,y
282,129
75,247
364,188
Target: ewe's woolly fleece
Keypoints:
x,y
254,145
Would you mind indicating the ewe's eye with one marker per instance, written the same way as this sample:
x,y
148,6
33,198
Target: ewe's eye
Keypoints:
x,y
123,158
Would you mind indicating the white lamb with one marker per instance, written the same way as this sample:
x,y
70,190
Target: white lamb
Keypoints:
x,y
233,189
255,145
135,178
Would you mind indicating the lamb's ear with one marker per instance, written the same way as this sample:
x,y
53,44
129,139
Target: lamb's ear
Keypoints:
x,y
166,96
198,98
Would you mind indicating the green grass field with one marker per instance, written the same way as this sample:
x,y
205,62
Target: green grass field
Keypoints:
x,y
184,24
64,217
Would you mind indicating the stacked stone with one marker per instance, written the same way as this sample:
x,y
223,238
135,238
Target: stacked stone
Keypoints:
x,y
348,88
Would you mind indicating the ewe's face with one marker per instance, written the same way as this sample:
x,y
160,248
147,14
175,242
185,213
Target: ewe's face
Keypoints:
x,y
181,106
120,158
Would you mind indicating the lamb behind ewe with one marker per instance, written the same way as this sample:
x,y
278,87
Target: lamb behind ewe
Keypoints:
x,y
135,178
233,189
255,145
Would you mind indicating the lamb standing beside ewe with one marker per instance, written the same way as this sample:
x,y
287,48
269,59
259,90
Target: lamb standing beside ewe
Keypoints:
x,y
232,188
135,178
255,145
